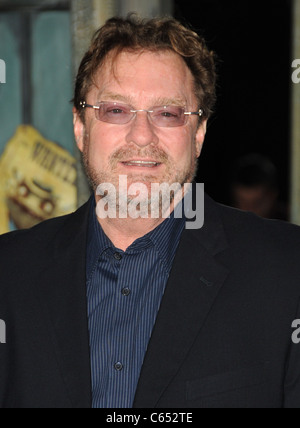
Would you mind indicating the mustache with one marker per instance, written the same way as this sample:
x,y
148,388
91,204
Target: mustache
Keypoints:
x,y
123,154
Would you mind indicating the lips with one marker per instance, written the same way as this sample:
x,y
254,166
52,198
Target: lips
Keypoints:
x,y
142,163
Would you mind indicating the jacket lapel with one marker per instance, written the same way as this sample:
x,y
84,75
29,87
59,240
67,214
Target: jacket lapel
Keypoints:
x,y
194,284
62,287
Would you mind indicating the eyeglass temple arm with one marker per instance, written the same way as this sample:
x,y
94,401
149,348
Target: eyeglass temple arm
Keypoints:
x,y
83,104
197,113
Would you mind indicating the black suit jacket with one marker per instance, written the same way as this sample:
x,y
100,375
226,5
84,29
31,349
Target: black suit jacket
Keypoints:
x,y
222,338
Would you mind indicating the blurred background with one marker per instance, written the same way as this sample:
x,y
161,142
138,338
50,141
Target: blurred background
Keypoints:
x,y
251,158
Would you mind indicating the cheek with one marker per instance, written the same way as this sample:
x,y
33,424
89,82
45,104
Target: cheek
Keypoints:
x,y
102,142
181,146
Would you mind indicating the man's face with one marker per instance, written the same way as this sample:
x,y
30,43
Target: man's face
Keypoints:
x,y
257,199
143,81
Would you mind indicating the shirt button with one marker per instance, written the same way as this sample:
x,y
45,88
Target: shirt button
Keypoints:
x,y
119,367
126,292
118,256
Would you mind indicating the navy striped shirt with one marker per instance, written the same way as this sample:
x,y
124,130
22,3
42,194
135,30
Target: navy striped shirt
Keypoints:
x,y
124,291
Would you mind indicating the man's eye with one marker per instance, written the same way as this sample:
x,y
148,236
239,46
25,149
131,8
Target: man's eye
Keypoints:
x,y
116,111
168,114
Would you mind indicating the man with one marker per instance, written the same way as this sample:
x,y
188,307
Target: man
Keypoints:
x,y
116,311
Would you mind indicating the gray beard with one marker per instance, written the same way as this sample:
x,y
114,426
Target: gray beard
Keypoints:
x,y
148,203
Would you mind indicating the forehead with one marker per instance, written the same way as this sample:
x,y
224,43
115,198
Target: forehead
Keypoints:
x,y
145,77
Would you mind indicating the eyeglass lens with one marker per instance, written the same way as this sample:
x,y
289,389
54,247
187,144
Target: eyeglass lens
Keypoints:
x,y
120,114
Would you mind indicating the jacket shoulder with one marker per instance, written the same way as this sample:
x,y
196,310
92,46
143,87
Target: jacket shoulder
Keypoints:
x,y
273,235
28,237
22,242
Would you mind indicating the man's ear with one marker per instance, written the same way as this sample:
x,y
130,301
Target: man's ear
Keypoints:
x,y
78,129
200,137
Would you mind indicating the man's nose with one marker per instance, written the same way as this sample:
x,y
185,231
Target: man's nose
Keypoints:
x,y
142,132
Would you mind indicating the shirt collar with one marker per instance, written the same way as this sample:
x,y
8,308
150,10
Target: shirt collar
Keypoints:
x,y
165,239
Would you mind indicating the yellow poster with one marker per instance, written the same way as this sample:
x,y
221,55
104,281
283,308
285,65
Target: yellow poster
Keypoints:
x,y
37,180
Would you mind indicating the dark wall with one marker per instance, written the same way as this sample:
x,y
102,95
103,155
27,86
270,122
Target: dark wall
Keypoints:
x,y
253,42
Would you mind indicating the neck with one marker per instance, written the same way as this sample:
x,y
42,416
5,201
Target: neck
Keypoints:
x,y
124,232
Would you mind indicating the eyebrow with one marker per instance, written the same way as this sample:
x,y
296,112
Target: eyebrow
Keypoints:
x,y
161,101
115,97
